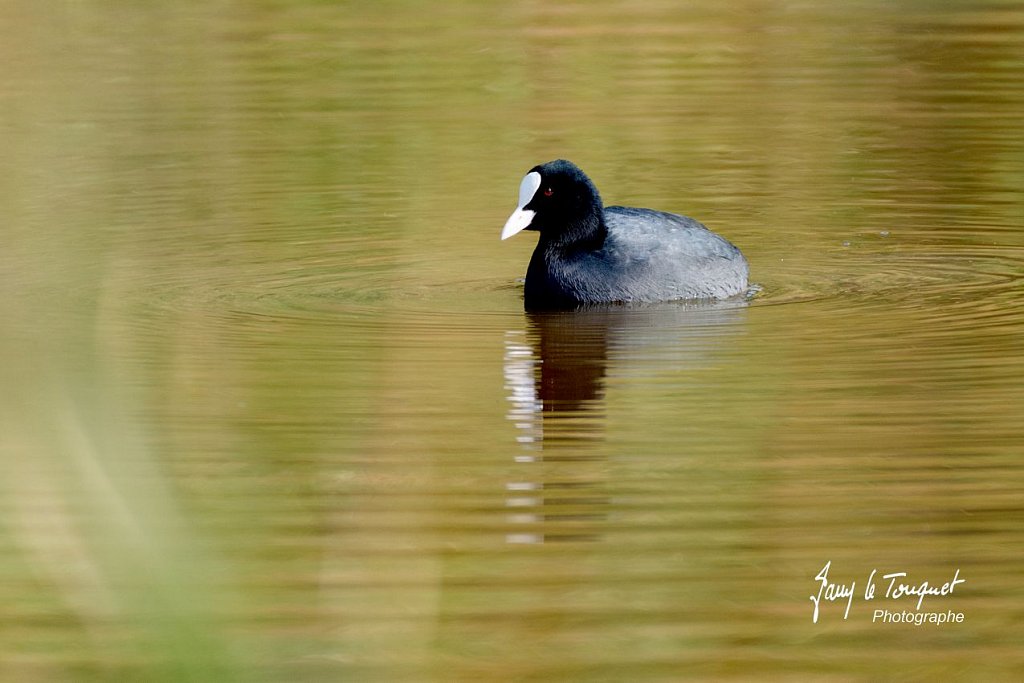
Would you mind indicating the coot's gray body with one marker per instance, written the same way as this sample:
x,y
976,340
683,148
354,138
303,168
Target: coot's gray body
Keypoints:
x,y
588,254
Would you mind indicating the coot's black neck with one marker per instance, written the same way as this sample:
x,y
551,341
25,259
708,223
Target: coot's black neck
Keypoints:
x,y
552,277
586,231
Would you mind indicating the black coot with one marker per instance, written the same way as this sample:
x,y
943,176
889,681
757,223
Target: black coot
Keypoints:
x,y
589,254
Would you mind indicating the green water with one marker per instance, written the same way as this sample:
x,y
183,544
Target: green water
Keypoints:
x,y
271,409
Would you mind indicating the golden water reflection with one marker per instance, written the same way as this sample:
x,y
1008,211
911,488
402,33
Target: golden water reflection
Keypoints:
x,y
272,410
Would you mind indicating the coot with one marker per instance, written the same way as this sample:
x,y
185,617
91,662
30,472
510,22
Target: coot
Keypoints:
x,y
589,254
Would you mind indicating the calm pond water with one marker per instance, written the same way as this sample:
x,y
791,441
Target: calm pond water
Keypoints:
x,y
272,410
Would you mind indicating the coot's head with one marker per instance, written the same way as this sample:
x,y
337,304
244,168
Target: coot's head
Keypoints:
x,y
558,200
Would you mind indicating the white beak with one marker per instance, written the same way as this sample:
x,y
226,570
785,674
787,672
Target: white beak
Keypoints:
x,y
522,217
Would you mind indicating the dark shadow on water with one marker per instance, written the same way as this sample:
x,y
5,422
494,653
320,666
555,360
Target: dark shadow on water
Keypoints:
x,y
556,372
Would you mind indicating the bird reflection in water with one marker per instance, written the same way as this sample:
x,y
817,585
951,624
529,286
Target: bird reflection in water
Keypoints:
x,y
555,375
554,372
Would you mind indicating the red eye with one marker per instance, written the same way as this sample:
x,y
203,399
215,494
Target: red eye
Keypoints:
x,y
548,192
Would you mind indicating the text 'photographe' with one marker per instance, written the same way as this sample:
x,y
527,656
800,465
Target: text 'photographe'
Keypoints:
x,y
896,587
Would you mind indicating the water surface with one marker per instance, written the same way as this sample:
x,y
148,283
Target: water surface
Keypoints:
x,y
272,409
